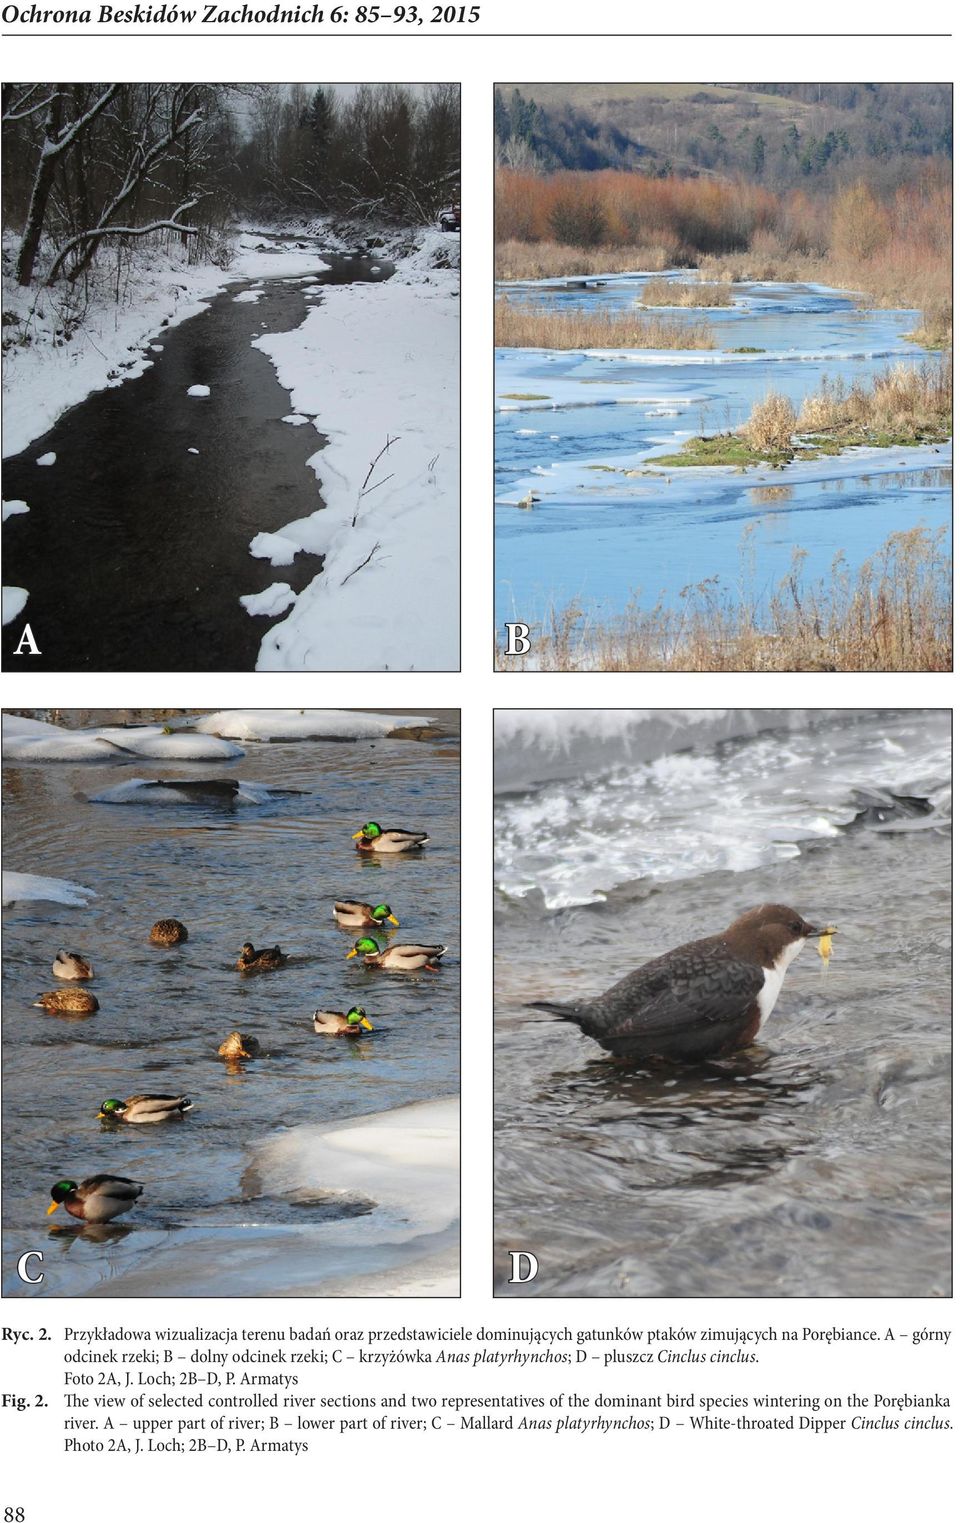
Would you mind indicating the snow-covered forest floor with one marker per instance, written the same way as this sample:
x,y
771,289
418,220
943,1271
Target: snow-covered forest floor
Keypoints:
x,y
374,368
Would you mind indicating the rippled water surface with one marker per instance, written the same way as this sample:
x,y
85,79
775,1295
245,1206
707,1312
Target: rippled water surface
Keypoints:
x,y
815,1164
223,1212
578,430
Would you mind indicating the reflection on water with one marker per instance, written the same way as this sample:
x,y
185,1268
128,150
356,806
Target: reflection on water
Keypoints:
x,y
266,872
764,495
816,1164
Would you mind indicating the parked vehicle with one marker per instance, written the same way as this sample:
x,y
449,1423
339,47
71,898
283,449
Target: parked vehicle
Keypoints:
x,y
450,218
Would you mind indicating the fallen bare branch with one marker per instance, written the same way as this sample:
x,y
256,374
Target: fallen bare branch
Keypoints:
x,y
361,565
363,492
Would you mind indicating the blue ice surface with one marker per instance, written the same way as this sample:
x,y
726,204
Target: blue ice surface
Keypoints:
x,y
605,538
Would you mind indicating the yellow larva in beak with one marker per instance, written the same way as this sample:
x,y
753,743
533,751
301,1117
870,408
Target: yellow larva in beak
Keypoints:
x,y
51,1209
366,1024
352,953
825,944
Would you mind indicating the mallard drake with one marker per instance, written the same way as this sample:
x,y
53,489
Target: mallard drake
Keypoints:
x,y
166,933
237,1045
71,965
266,957
144,1108
355,916
402,959
68,1001
334,1023
372,837
98,1199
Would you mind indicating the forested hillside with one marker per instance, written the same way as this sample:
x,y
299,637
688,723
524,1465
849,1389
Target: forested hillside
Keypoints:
x,y
87,165
781,136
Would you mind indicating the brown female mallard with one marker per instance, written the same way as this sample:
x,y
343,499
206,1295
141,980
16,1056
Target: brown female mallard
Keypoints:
x,y
68,1002
402,959
166,933
267,957
237,1045
98,1199
71,965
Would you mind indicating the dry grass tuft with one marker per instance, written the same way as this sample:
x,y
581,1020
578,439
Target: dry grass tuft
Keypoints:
x,y
520,326
685,293
555,261
935,330
772,424
904,400
894,615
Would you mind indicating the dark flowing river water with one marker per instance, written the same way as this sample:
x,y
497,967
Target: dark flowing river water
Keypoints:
x,y
237,1194
815,1164
135,551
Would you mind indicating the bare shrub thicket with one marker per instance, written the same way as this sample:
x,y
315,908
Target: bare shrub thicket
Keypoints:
x,y
893,247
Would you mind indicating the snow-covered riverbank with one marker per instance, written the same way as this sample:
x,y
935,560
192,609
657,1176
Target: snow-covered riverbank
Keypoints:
x,y
375,369
45,372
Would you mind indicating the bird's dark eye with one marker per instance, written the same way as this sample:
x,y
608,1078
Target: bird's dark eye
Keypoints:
x,y
797,927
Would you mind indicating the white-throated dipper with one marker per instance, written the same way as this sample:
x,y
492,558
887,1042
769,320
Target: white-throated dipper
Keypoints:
x,y
702,1000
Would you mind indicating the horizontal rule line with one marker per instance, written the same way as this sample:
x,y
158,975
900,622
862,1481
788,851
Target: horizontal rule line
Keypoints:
x,y
506,36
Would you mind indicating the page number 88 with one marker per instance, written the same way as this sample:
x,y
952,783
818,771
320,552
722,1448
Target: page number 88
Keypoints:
x,y
13,1515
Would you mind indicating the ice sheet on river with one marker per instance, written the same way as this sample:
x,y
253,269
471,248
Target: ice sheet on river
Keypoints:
x,y
303,724
595,799
580,436
36,740
225,791
403,1163
19,888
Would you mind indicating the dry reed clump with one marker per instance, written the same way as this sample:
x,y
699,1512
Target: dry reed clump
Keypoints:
x,y
685,293
936,328
904,400
515,260
771,425
526,326
894,615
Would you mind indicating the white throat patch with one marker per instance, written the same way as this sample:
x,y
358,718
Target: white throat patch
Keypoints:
x,y
773,979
